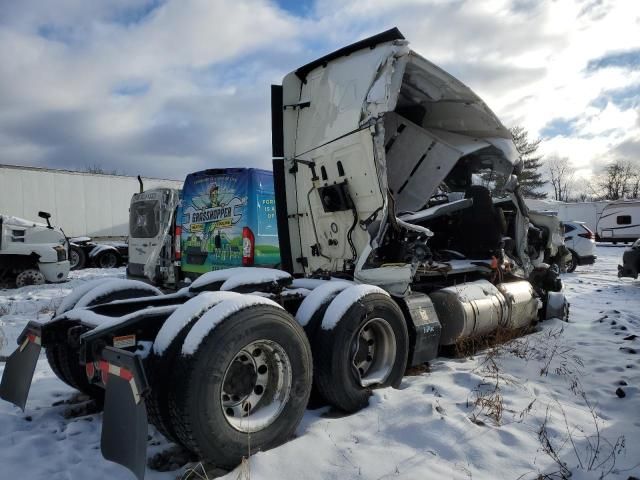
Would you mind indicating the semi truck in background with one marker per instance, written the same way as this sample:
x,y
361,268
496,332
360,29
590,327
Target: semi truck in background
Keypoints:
x,y
32,253
389,255
152,241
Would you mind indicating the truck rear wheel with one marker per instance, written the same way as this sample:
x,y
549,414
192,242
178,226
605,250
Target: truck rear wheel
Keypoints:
x,y
246,386
107,259
64,359
367,348
65,363
77,258
165,354
31,276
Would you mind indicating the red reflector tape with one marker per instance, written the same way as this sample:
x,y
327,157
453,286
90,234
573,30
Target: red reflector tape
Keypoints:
x,y
126,374
107,368
30,338
91,370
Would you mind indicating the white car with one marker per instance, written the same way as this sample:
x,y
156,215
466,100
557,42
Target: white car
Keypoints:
x,y
581,242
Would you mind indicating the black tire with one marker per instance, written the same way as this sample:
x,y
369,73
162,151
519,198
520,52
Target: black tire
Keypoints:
x,y
316,399
156,400
573,264
108,259
334,375
55,363
161,379
125,292
196,406
82,257
72,372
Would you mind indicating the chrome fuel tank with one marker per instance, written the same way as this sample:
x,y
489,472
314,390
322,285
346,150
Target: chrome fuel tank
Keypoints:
x,y
477,308
468,310
523,303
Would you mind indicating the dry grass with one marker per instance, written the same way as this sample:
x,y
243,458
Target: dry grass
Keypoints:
x,y
468,347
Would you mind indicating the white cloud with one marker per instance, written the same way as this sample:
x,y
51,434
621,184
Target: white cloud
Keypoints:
x,y
169,87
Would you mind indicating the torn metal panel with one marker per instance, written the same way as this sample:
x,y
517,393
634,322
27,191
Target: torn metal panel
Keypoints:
x,y
334,98
448,103
397,121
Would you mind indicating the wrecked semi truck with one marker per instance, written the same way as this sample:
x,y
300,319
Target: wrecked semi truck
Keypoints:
x,y
32,253
152,241
390,253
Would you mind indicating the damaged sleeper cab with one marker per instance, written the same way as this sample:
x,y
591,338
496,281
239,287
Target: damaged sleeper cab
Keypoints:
x,y
385,147
390,252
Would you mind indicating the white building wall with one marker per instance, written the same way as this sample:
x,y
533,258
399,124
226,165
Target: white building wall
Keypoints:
x,y
80,203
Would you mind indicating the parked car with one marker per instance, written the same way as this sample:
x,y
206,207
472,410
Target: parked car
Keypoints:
x,y
581,242
84,252
630,261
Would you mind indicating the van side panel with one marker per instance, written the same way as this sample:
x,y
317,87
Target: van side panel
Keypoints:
x,y
263,221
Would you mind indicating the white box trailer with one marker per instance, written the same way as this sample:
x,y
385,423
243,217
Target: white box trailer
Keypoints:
x,y
587,212
81,203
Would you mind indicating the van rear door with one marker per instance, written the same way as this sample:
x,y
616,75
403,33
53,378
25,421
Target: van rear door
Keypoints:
x,y
212,215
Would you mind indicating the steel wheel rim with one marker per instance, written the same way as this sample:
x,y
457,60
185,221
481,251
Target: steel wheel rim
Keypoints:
x,y
30,277
108,260
373,352
74,259
568,265
256,386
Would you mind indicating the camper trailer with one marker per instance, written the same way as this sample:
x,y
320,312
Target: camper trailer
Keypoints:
x,y
619,222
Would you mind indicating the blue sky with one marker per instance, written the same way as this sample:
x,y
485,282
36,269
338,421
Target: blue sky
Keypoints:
x,y
300,8
164,87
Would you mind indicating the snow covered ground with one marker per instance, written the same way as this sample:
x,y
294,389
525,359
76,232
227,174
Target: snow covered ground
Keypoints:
x,y
566,398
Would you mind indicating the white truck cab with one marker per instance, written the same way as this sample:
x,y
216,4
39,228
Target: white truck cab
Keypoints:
x,y
152,216
32,253
380,149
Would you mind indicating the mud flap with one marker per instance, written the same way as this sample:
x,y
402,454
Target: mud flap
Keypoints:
x,y
18,371
124,425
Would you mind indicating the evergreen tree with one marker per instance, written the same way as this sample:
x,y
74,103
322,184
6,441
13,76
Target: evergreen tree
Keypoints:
x,y
530,178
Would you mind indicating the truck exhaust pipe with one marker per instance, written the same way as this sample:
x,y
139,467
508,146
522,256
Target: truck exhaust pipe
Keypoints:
x,y
141,184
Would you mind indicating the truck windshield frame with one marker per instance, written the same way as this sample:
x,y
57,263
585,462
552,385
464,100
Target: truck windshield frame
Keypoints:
x,y
144,224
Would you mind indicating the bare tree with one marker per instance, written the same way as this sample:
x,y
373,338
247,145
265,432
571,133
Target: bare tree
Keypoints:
x,y
634,183
561,175
617,181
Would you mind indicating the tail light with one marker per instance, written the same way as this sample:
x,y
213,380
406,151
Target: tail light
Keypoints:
x,y
248,247
176,242
589,235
